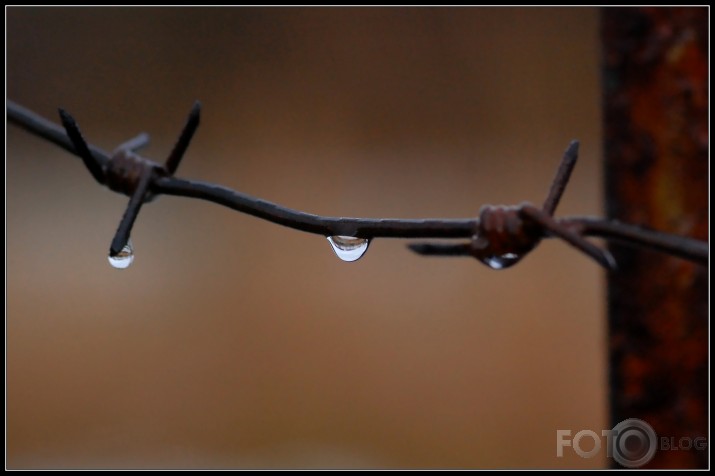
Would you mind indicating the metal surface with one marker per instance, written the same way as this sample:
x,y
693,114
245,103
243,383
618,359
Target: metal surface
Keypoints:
x,y
656,142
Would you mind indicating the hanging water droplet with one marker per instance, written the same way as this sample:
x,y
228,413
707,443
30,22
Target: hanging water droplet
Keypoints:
x,y
348,248
124,258
501,261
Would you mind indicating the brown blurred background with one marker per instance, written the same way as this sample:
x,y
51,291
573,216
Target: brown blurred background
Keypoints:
x,y
232,342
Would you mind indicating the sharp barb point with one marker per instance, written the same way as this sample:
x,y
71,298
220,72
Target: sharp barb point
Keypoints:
x,y
80,146
187,133
563,174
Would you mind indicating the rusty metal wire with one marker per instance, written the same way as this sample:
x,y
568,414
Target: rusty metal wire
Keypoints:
x,y
500,237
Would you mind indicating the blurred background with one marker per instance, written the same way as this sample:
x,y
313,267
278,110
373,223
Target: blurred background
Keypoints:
x,y
235,343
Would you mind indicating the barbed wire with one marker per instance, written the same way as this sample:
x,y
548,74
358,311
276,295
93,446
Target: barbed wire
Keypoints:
x,y
500,237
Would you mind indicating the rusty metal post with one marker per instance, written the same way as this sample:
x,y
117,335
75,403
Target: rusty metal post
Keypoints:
x,y
656,169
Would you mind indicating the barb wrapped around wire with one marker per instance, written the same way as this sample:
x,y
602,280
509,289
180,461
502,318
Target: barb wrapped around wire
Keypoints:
x,y
500,237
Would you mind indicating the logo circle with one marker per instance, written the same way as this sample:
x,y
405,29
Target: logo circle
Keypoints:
x,y
634,443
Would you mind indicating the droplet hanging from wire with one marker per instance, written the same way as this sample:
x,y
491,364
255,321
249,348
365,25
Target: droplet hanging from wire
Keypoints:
x,y
124,258
349,248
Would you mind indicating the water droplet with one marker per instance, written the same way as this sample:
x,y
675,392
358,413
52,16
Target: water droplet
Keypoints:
x,y
501,261
348,248
124,258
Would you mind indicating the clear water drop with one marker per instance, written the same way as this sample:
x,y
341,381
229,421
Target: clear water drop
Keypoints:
x,y
349,248
124,258
501,261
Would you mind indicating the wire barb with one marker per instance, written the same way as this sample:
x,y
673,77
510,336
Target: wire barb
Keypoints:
x,y
81,148
506,234
500,237
121,237
172,163
563,174
135,143
602,257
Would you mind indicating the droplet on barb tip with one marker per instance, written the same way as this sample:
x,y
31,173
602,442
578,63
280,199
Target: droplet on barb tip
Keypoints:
x,y
124,258
349,248
500,261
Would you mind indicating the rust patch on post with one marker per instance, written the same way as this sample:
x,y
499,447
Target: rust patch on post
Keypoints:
x,y
656,169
